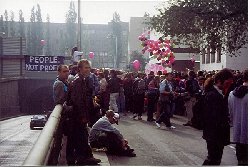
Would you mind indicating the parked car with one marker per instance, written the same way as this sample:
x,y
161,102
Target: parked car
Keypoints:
x,y
38,121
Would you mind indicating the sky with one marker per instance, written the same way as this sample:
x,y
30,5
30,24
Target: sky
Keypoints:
x,y
92,12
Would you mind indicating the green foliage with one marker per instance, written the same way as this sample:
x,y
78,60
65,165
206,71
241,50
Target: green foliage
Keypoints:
x,y
47,36
35,32
39,30
6,23
21,24
12,26
71,26
1,24
205,23
136,55
32,44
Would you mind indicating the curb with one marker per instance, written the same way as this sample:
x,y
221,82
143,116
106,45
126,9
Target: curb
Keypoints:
x,y
2,119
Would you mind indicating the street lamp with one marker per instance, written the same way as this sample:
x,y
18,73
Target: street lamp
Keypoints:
x,y
79,26
115,57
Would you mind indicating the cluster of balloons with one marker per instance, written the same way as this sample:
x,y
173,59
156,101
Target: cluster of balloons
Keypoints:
x,y
158,49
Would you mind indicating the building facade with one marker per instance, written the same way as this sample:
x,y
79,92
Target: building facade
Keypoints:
x,y
219,60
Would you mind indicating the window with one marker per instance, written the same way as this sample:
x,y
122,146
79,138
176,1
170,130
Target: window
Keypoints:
x,y
213,56
219,55
203,54
208,56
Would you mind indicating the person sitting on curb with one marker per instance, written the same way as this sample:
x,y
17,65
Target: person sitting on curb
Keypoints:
x,y
103,134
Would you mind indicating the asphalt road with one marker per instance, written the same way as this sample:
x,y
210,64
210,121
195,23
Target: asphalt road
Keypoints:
x,y
16,140
154,147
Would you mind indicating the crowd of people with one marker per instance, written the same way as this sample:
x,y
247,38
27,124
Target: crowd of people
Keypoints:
x,y
92,97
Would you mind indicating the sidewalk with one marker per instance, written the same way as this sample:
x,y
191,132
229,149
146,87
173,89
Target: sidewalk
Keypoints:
x,y
100,155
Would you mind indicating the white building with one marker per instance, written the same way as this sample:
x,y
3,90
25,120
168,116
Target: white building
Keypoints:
x,y
218,61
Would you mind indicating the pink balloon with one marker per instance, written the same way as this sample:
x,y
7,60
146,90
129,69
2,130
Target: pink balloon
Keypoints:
x,y
91,55
136,65
171,60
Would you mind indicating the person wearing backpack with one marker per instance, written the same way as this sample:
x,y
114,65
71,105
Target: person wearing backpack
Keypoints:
x,y
193,88
139,88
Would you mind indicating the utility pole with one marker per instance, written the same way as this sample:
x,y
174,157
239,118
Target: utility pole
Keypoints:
x,y
79,26
115,64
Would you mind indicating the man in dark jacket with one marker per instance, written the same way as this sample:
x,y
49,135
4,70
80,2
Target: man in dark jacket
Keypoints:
x,y
216,130
80,98
114,89
192,87
139,88
128,92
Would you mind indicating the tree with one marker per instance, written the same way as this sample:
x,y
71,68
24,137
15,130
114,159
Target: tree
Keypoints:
x,y
39,30
47,36
6,23
136,55
205,23
1,24
117,33
21,24
12,26
32,45
71,25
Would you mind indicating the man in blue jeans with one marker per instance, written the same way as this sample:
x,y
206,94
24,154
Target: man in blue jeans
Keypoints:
x,y
167,94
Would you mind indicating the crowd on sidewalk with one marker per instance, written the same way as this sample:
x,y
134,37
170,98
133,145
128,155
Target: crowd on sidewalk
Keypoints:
x,y
210,100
